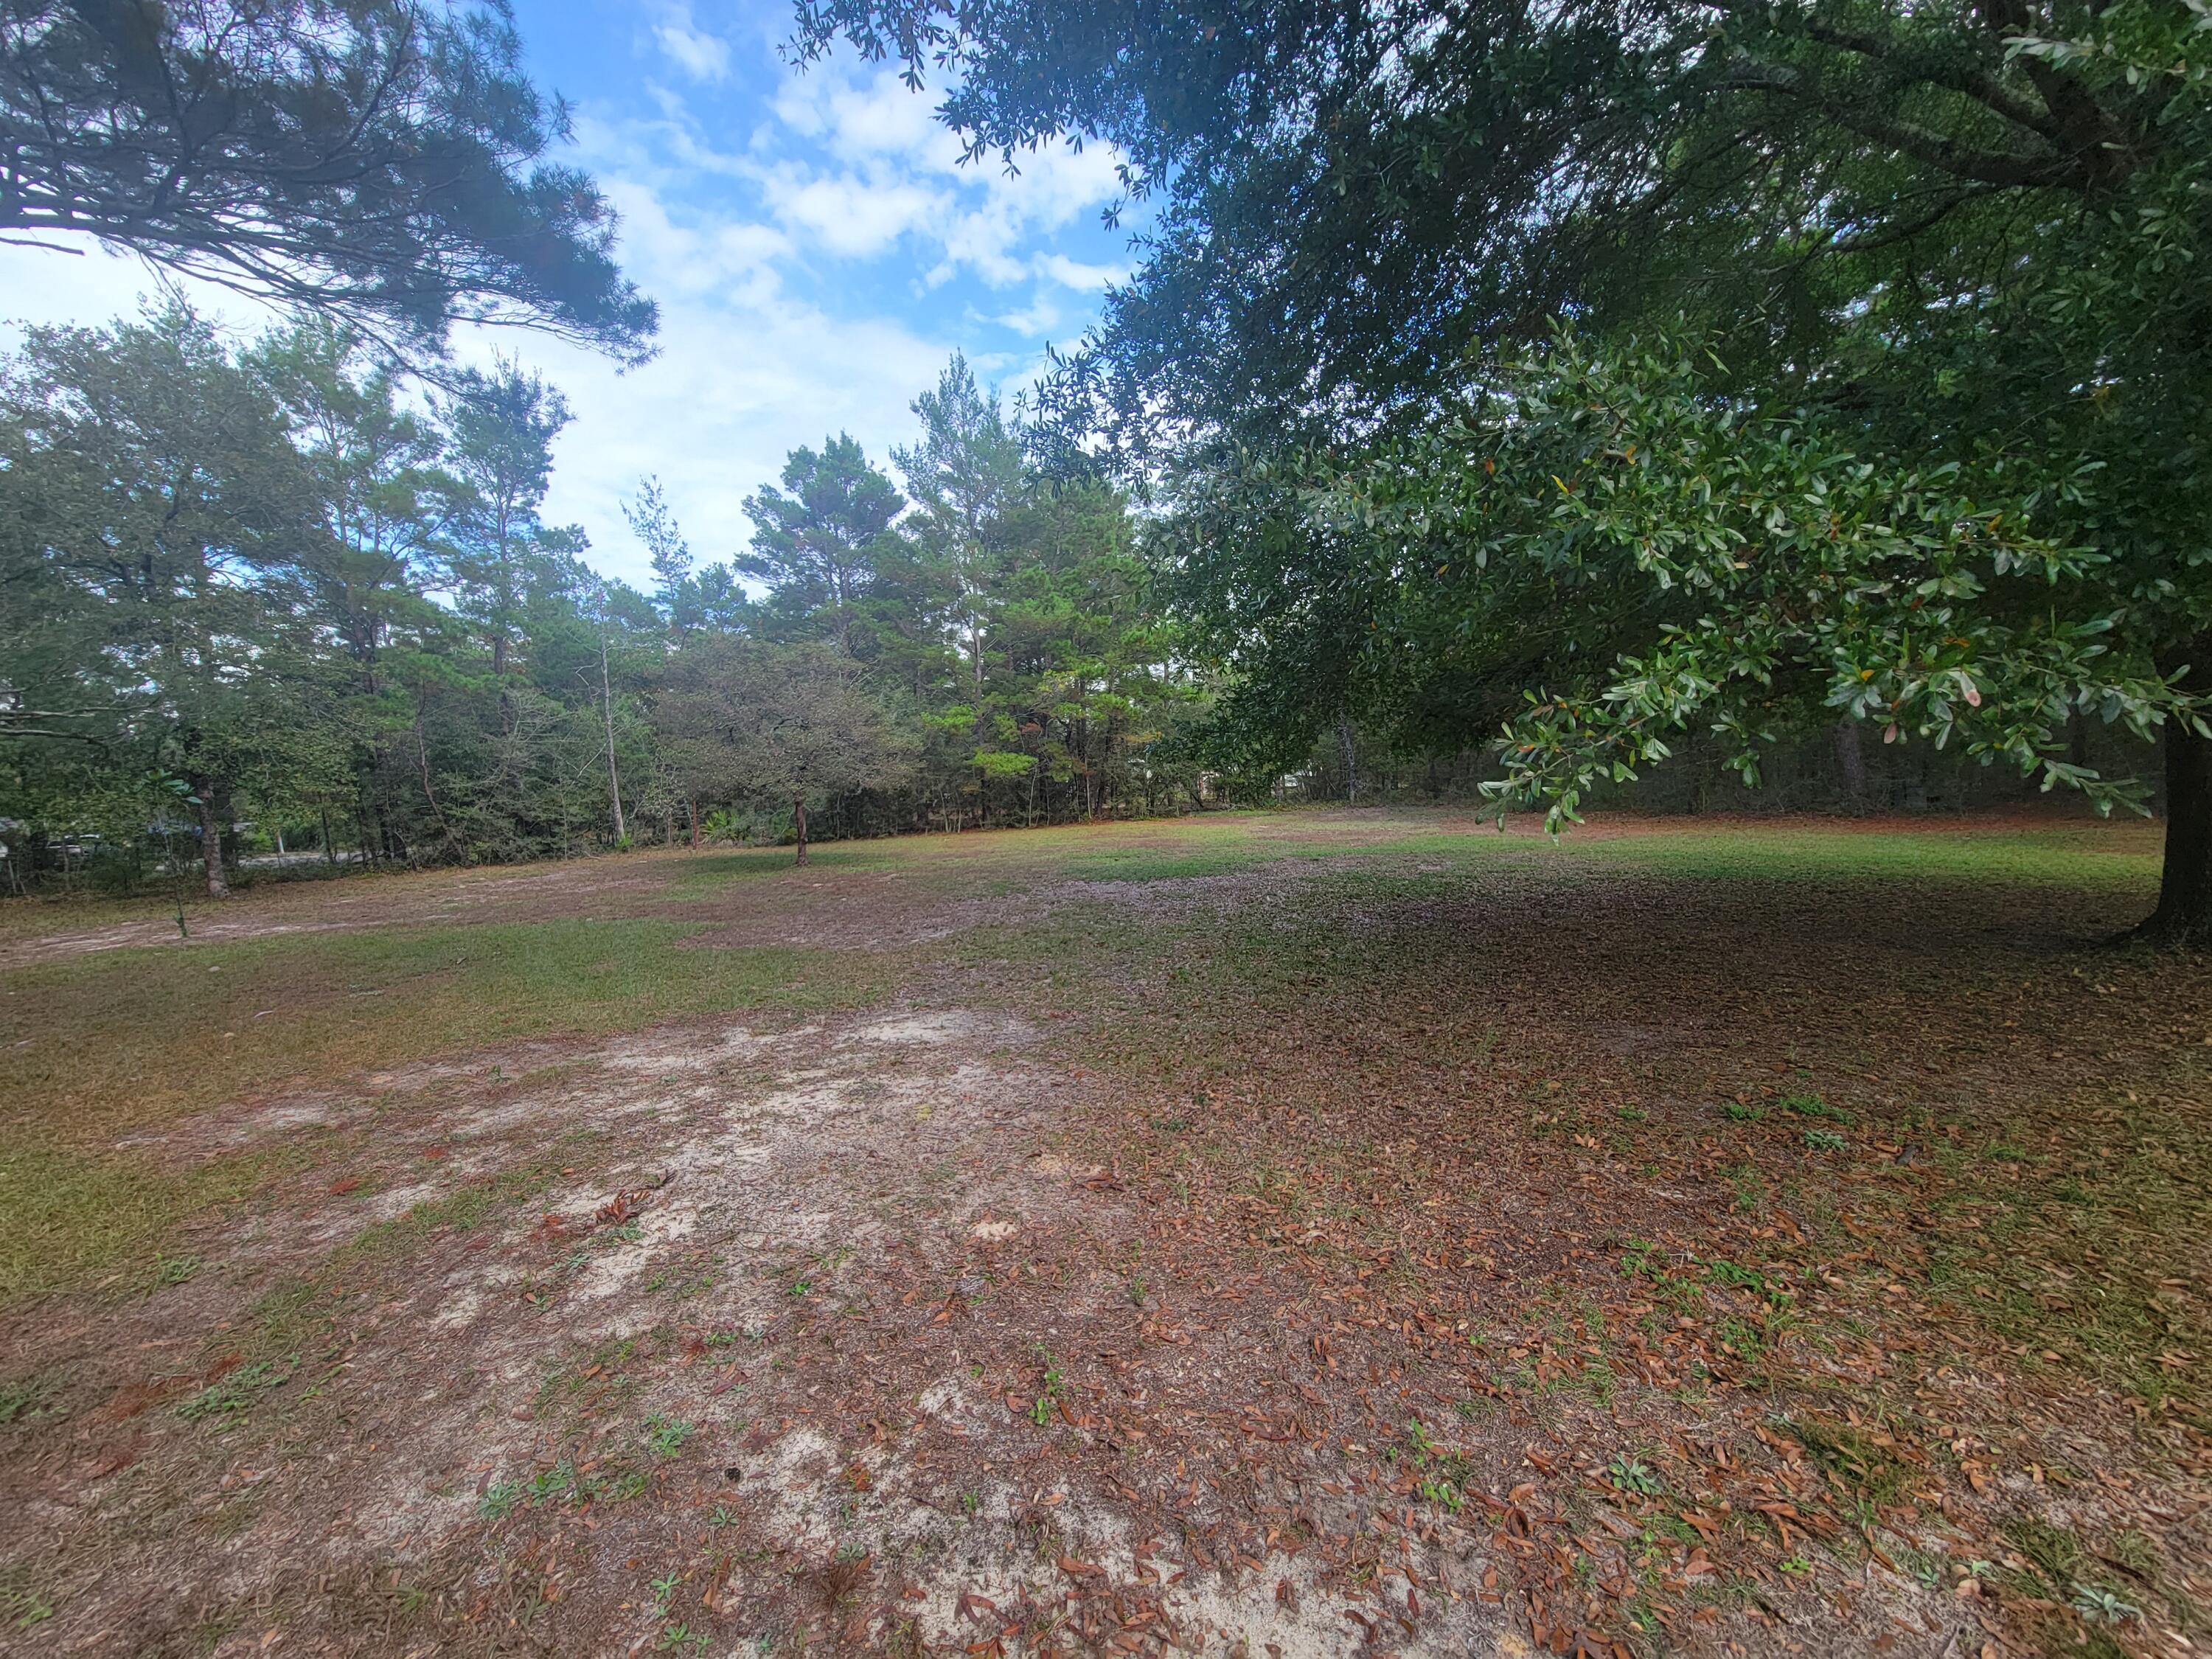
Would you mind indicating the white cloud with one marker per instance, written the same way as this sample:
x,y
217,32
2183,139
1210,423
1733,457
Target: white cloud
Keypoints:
x,y
701,56
817,251
849,215
1070,273
979,215
1040,316
735,387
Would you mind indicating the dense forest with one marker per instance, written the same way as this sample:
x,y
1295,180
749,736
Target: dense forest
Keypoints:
x,y
261,596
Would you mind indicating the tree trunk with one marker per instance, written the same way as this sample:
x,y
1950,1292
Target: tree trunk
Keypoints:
x,y
423,765
692,806
798,817
330,853
607,708
1351,763
2183,915
211,840
1850,761
499,679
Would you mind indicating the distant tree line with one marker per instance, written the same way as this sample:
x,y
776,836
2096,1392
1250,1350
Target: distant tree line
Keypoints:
x,y
262,586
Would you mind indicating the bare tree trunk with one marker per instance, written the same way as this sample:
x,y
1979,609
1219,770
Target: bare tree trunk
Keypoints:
x,y
2183,915
330,853
499,679
692,806
210,839
422,763
1351,763
1850,761
798,817
2184,888
607,708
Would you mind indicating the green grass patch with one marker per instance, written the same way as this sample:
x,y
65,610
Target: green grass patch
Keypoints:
x,y
2086,857
103,1044
78,1217
707,874
223,1403
461,1211
122,1036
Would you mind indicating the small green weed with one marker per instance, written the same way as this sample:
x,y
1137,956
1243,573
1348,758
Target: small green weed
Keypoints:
x,y
499,1499
2100,1605
22,1605
1813,1106
1741,1277
227,1399
1633,1474
1051,1388
27,1399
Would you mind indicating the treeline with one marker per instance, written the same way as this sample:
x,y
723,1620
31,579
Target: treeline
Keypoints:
x,y
260,594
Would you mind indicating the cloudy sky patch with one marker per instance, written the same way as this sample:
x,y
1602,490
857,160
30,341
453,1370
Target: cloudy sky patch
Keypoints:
x,y
815,245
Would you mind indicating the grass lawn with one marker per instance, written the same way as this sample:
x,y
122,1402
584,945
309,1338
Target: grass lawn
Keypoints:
x,y
1320,1232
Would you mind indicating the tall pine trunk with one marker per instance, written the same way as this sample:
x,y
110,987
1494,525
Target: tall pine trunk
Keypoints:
x,y
607,708
212,839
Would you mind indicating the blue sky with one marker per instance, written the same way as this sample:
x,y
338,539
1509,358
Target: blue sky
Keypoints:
x,y
816,249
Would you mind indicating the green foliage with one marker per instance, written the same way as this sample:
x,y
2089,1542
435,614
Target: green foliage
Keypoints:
x,y
1726,572
1052,1389
220,568
1951,482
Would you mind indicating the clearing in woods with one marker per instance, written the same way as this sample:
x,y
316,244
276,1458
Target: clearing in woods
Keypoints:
x,y
1311,1233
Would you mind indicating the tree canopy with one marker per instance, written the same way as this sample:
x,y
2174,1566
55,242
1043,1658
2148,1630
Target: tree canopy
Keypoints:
x,y
259,586
1916,237
384,162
